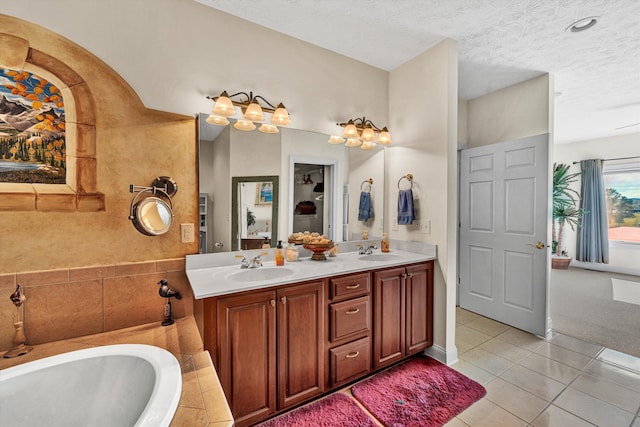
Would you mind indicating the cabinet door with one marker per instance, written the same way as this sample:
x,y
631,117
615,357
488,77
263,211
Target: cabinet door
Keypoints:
x,y
300,343
419,288
247,355
389,315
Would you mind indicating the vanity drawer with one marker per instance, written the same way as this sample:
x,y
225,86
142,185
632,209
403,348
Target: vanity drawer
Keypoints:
x,y
350,317
350,286
350,361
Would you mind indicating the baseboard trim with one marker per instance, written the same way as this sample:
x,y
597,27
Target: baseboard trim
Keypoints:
x,y
447,357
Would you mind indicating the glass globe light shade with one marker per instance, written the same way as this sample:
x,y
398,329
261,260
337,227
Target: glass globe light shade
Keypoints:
x,y
280,116
335,139
368,134
384,137
217,120
244,125
254,112
353,142
267,128
224,107
350,131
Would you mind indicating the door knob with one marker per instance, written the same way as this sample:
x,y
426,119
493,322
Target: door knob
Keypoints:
x,y
538,245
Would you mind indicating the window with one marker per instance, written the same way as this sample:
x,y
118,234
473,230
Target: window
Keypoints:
x,y
622,189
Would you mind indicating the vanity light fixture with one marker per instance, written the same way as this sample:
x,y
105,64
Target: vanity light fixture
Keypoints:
x,y
252,111
361,133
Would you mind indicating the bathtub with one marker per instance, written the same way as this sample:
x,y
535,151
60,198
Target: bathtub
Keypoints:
x,y
114,385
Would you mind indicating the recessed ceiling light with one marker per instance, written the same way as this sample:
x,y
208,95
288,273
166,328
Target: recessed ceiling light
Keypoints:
x,y
583,24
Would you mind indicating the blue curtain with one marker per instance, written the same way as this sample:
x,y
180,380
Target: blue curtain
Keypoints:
x,y
593,235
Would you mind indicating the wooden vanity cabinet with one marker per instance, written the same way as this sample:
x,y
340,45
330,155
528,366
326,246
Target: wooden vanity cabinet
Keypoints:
x,y
349,328
269,349
403,317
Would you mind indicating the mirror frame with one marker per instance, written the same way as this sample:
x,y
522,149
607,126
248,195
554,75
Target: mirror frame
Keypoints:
x,y
234,207
138,220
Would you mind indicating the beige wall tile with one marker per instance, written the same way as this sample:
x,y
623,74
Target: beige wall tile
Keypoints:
x,y
63,311
132,300
178,280
89,273
46,277
174,264
133,268
7,281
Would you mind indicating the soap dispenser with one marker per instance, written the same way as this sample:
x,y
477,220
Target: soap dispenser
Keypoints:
x,y
279,254
384,244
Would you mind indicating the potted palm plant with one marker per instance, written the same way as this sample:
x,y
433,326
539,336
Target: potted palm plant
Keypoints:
x,y
565,211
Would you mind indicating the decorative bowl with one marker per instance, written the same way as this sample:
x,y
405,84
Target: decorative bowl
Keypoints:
x,y
318,250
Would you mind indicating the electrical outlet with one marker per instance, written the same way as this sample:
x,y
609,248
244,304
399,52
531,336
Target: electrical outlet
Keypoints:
x,y
425,226
187,235
394,223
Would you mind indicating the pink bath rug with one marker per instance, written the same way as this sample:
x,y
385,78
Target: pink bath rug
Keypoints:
x,y
420,392
335,410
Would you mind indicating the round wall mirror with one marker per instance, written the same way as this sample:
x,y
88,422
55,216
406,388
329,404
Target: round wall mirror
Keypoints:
x,y
152,216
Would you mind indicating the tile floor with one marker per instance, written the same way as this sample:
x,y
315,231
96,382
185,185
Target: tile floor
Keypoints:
x,y
531,382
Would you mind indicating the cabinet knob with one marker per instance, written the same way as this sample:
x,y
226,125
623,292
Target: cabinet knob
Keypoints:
x,y
410,275
404,275
273,303
353,311
284,300
352,355
356,286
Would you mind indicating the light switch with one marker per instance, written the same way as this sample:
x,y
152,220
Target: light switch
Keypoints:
x,y
187,234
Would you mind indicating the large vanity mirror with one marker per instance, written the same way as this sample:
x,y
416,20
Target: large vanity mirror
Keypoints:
x,y
314,186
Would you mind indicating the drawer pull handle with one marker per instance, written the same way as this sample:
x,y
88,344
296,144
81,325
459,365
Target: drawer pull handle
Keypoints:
x,y
356,286
353,355
353,311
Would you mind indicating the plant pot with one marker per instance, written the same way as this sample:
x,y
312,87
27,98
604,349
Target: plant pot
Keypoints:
x,y
560,262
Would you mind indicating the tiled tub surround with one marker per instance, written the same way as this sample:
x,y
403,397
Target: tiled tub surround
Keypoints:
x,y
202,402
74,302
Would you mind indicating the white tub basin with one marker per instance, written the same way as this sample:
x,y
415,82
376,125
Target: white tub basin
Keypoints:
x,y
259,274
115,385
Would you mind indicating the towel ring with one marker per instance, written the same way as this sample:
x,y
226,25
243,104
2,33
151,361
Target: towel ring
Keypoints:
x,y
408,177
369,181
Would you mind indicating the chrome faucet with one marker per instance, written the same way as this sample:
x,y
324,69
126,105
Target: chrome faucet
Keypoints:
x,y
367,251
252,263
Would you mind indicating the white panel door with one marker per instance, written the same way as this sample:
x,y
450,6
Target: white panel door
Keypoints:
x,y
504,196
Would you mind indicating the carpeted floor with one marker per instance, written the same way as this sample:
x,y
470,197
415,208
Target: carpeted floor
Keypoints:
x,y
583,306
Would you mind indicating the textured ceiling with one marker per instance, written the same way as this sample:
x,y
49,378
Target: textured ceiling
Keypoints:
x,y
500,43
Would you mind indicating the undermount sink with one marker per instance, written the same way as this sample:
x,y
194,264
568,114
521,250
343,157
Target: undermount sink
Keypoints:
x,y
378,257
259,274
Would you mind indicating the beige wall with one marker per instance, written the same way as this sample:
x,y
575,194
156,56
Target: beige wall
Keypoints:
x,y
423,112
620,256
518,111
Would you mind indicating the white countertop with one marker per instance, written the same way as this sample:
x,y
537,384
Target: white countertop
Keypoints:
x,y
208,278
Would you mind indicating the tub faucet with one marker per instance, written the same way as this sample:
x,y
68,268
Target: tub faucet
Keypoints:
x,y
367,251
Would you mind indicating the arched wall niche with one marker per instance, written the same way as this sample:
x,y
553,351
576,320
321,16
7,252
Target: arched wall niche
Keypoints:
x,y
80,192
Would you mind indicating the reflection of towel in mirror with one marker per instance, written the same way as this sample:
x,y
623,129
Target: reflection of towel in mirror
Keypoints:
x,y
365,210
406,214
